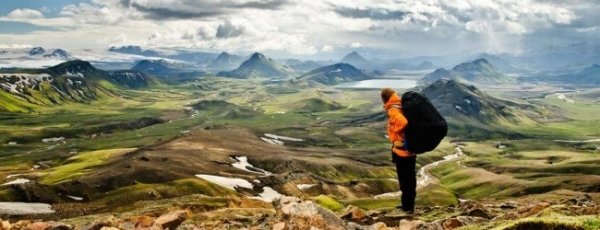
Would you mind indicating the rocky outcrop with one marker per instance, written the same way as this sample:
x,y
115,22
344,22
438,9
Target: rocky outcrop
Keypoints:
x,y
299,214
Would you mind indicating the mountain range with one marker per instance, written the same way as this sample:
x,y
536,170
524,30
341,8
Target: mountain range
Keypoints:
x,y
77,81
478,71
258,66
225,61
335,74
355,59
466,103
589,75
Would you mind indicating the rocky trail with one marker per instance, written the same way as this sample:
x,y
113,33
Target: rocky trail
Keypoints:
x,y
295,213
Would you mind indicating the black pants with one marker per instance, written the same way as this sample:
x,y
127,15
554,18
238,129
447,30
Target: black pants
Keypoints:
x,y
407,178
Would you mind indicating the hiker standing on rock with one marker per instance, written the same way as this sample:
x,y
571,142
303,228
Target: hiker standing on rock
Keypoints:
x,y
404,160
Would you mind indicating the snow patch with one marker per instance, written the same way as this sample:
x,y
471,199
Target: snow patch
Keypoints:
x,y
272,141
277,137
303,187
54,139
227,182
13,175
76,198
388,195
268,195
242,163
574,141
17,181
18,208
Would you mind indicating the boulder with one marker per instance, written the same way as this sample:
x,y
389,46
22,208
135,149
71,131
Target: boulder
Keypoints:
x,y
452,223
301,214
410,224
478,212
533,209
470,220
109,221
171,220
280,226
378,226
51,225
59,226
509,205
143,222
353,213
4,225
38,226
21,224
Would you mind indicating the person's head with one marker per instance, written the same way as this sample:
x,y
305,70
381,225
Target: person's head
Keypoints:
x,y
386,93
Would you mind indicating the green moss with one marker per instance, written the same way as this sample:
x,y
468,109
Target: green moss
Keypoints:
x,y
328,203
10,103
436,195
81,164
140,191
7,194
374,204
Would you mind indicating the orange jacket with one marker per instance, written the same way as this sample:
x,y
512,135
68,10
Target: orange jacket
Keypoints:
x,y
396,124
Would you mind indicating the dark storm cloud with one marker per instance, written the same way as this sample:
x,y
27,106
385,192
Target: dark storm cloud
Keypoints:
x,y
372,13
158,10
166,13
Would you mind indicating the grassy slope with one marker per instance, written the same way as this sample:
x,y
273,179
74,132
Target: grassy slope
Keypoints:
x,y
82,164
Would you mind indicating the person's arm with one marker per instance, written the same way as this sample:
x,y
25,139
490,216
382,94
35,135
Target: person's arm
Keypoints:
x,y
396,125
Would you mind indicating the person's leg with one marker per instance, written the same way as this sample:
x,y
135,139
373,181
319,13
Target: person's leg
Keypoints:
x,y
405,168
409,193
399,169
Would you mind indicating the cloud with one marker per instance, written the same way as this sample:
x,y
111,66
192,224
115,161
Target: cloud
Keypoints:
x,y
228,30
92,14
172,9
323,28
372,13
22,13
355,45
15,27
15,46
326,48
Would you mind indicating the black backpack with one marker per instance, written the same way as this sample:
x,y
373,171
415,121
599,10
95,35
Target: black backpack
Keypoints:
x,y
426,127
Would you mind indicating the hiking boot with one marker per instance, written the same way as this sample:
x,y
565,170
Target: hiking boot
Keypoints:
x,y
399,213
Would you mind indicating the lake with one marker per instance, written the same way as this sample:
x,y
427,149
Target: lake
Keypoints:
x,y
378,84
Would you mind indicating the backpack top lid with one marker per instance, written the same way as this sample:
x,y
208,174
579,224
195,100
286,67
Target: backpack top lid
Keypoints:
x,y
426,127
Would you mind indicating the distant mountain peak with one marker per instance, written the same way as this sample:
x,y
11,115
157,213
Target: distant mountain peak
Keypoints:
x,y
223,55
258,65
479,70
355,59
74,67
353,56
481,61
258,56
59,53
37,51
336,73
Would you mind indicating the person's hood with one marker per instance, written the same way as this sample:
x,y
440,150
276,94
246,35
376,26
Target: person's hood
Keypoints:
x,y
393,101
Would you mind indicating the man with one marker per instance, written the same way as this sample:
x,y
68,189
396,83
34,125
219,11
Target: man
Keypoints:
x,y
404,160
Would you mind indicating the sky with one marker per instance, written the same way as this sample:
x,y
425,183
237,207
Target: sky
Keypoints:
x,y
317,29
